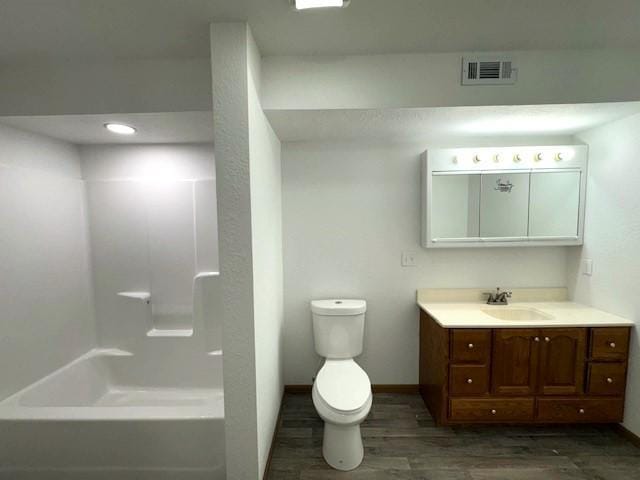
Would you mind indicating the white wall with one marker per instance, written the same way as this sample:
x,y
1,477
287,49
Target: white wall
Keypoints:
x,y
147,162
249,212
433,80
152,217
19,148
171,85
349,211
612,237
266,226
46,318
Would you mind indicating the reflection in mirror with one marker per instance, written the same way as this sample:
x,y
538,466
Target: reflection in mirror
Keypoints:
x,y
555,203
456,206
504,205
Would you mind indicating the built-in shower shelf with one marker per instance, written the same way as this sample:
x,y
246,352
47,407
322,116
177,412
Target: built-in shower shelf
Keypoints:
x,y
144,296
206,275
170,332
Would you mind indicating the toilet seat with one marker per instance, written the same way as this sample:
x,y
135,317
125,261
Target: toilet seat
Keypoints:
x,y
343,386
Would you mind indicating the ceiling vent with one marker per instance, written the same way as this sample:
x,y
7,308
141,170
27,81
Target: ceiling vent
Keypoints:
x,y
488,70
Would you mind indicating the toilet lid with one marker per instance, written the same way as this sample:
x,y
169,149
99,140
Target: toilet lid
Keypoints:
x,y
343,385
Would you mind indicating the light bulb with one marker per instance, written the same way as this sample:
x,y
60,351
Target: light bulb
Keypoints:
x,y
478,157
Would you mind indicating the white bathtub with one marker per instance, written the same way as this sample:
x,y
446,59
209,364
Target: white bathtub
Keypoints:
x,y
110,414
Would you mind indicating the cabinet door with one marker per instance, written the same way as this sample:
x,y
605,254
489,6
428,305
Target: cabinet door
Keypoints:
x,y
504,205
562,361
554,204
515,361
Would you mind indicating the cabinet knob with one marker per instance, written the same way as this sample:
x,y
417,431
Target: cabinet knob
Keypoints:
x,y
469,380
581,411
470,345
547,339
612,344
609,380
493,411
536,339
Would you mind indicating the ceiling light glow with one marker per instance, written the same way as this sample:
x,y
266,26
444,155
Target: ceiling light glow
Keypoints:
x,y
120,128
307,4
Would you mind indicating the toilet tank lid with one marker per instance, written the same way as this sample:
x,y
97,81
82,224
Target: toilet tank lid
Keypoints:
x,y
338,306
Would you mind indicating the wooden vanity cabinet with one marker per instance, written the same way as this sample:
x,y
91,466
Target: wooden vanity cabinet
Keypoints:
x,y
523,375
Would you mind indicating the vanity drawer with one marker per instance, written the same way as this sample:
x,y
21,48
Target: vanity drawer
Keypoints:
x,y
609,343
470,346
607,378
468,379
491,410
572,410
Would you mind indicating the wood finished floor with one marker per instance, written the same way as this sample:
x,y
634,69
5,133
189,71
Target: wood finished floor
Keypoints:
x,y
402,442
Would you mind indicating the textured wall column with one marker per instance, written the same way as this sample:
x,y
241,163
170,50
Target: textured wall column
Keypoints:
x,y
229,66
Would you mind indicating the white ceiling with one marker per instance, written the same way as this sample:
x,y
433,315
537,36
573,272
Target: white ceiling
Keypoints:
x,y
173,127
54,30
442,124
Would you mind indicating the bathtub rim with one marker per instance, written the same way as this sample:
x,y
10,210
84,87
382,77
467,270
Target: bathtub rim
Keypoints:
x,y
12,410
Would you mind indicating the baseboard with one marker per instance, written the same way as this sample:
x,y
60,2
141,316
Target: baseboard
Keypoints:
x,y
396,388
629,435
296,389
378,388
267,467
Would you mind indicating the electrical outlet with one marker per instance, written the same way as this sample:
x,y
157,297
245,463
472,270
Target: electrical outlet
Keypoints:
x,y
408,259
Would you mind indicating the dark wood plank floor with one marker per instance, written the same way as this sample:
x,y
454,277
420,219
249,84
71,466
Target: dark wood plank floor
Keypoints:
x,y
401,442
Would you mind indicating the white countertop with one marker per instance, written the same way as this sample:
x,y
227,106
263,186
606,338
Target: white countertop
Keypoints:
x,y
565,314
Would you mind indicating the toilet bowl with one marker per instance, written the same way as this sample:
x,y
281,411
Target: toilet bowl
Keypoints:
x,y
342,397
342,390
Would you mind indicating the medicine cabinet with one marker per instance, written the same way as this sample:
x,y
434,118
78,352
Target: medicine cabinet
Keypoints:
x,y
519,196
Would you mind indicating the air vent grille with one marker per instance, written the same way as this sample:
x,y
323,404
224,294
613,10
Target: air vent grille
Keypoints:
x,y
507,71
488,70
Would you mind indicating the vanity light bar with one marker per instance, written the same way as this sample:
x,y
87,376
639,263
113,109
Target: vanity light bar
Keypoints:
x,y
536,155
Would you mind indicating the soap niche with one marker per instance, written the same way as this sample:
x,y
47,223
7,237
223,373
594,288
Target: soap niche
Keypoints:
x,y
163,236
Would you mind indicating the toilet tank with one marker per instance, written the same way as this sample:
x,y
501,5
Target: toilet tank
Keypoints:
x,y
338,327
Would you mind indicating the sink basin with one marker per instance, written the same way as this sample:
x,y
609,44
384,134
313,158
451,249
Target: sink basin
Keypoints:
x,y
517,314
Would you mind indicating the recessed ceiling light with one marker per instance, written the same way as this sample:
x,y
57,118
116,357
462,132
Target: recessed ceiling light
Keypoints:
x,y
120,128
307,4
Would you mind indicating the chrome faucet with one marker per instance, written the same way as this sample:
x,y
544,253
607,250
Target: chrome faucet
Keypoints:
x,y
498,298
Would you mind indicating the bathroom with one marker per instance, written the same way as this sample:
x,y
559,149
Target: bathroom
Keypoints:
x,y
157,287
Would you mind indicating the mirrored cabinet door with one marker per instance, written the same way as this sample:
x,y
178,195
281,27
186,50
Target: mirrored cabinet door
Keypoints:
x,y
555,204
455,206
504,204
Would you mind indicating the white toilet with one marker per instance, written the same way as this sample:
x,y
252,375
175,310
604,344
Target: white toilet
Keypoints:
x,y
342,390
